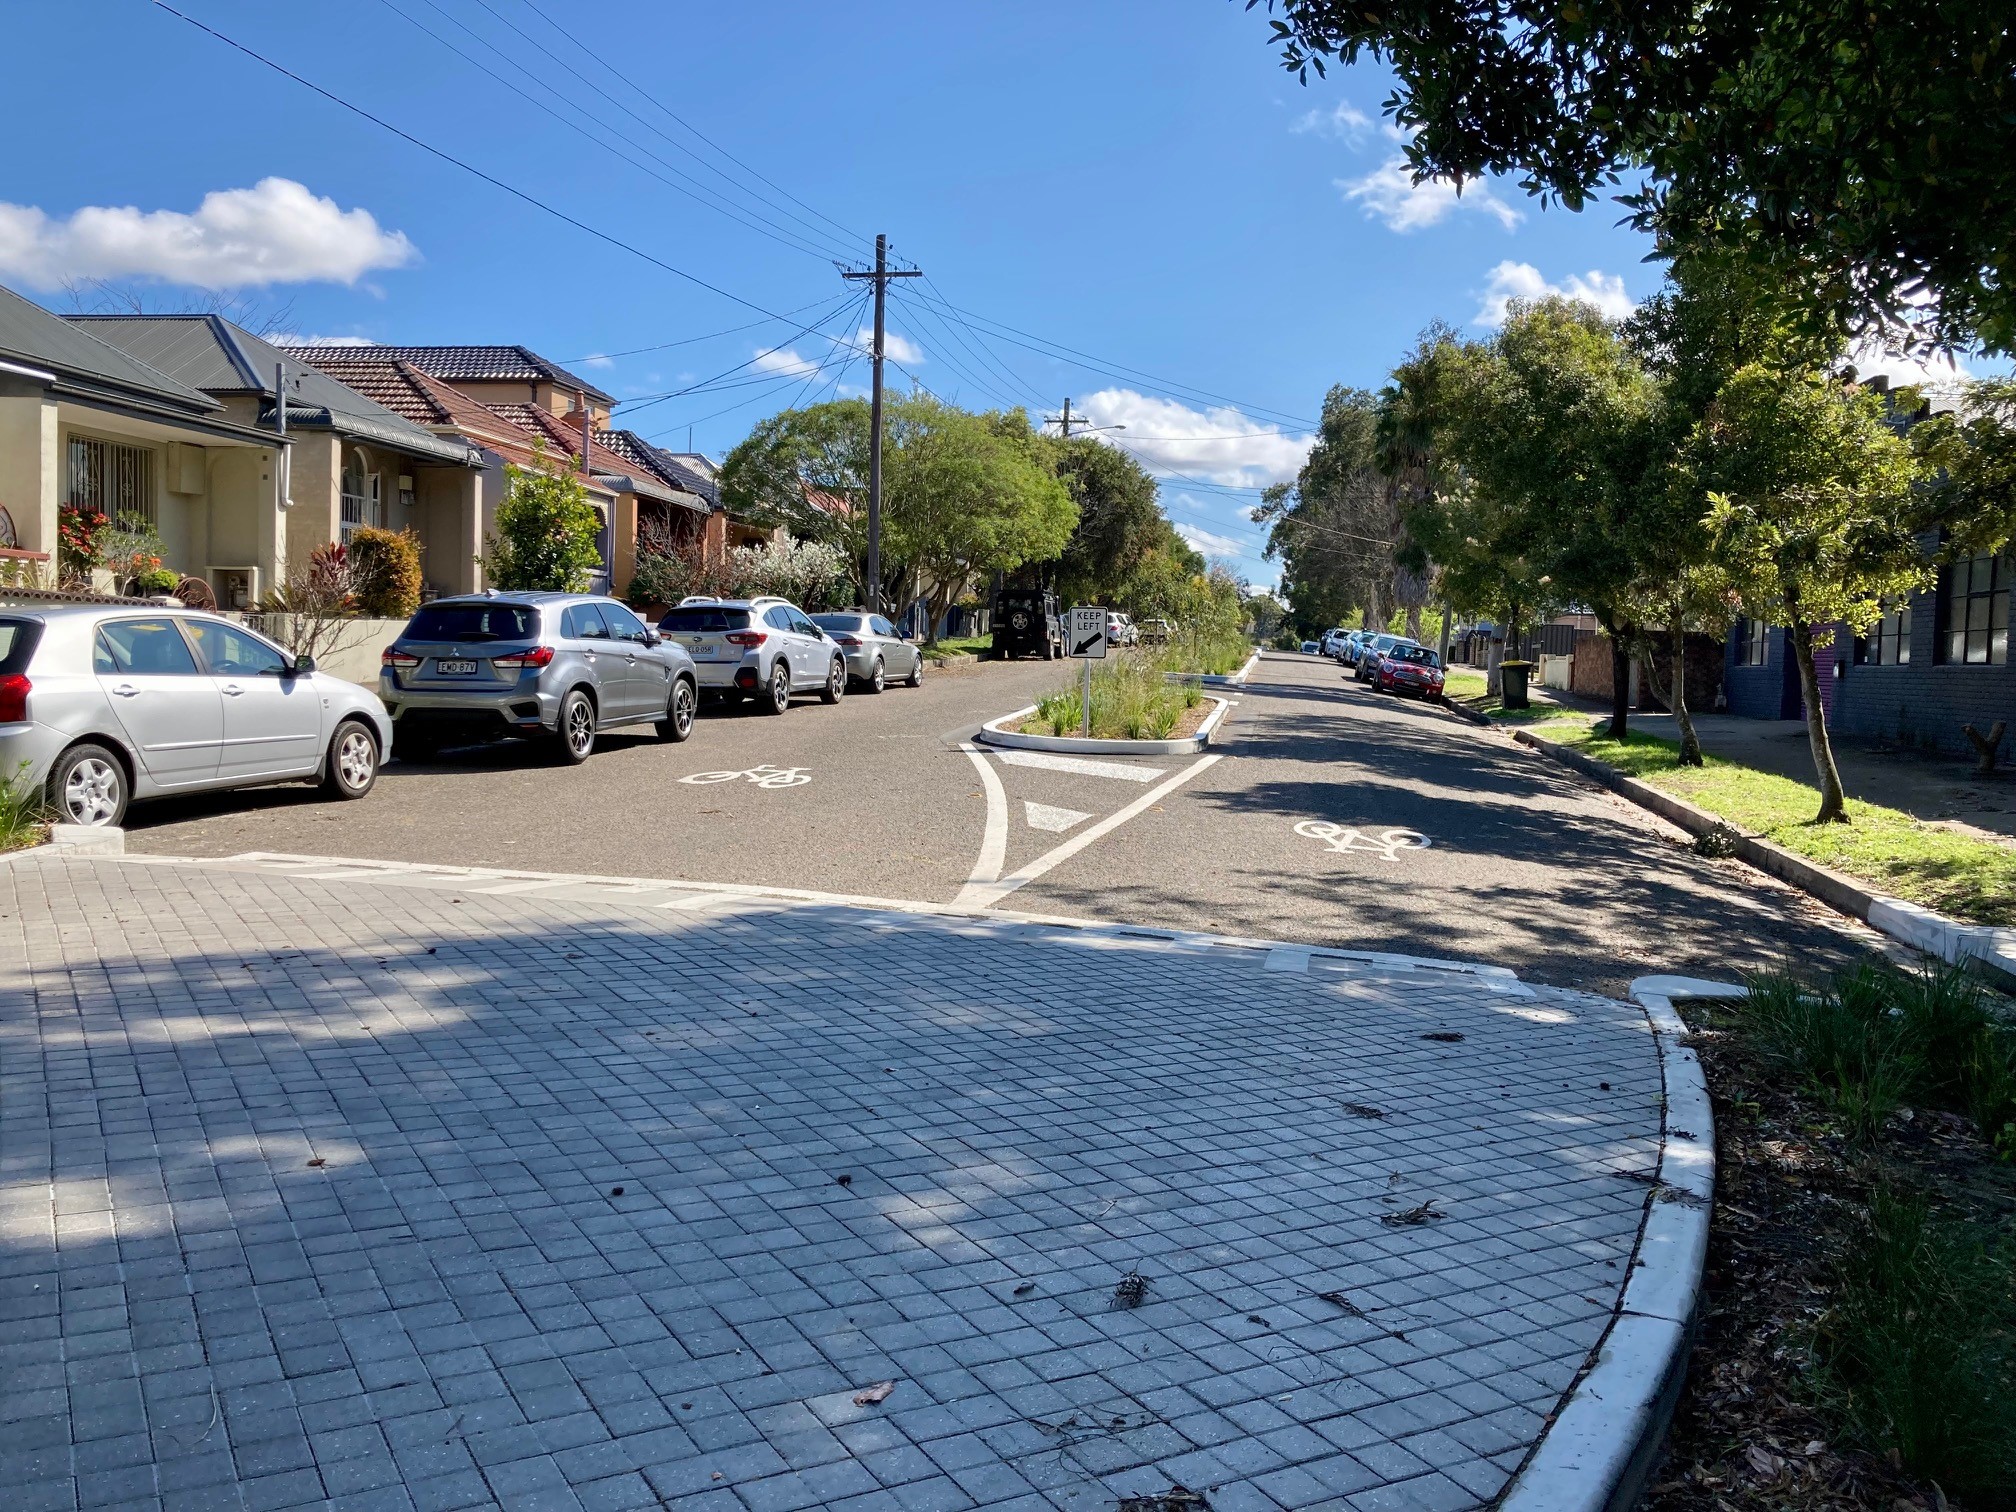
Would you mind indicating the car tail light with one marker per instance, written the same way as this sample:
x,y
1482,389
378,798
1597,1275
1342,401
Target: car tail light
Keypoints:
x,y
14,698
846,640
536,656
745,637
404,661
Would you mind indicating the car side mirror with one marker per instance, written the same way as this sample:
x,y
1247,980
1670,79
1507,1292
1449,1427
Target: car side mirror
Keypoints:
x,y
304,663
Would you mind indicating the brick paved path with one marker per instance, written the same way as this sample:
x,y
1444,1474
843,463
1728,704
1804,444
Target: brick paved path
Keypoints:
x,y
398,1194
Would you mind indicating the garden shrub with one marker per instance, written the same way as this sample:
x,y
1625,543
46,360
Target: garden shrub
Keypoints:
x,y
385,572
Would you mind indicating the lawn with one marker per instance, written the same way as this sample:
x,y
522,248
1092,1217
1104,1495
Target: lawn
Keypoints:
x,y
1922,863
954,645
1463,682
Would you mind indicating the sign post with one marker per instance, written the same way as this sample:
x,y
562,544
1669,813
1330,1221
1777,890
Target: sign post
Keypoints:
x,y
1085,638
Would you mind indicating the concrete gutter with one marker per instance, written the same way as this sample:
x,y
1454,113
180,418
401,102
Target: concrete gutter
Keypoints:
x,y
1003,732
1605,1436
1920,928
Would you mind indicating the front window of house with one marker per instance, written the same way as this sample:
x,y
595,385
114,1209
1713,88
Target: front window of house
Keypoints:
x,y
1888,641
1974,611
1754,643
110,479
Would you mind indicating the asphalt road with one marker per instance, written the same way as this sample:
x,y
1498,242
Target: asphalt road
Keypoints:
x,y
1524,865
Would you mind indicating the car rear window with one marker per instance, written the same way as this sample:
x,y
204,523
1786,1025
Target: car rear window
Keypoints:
x,y
474,622
1420,655
17,643
841,621
704,619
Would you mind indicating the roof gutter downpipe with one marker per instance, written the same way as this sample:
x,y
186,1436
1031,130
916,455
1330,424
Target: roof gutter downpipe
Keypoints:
x,y
283,468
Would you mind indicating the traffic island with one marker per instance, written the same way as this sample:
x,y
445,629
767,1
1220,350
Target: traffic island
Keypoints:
x,y
1025,730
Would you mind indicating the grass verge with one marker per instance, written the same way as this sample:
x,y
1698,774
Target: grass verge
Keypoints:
x,y
1922,863
1132,699
24,818
954,645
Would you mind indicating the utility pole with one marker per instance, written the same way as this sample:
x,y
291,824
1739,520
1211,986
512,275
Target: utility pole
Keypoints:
x,y
881,276
1067,421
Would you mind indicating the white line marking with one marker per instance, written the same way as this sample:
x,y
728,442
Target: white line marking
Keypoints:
x,y
1081,766
987,897
1046,816
994,840
1340,838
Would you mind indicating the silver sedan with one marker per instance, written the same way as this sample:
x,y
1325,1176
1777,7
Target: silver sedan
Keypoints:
x,y
101,705
877,652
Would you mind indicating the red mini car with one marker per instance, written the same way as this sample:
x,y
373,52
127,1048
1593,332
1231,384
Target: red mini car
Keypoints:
x,y
1409,669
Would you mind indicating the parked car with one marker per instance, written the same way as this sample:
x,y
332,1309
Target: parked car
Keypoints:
x,y
1156,632
1370,651
1410,668
763,648
1120,629
875,650
555,666
1349,647
1026,623
1328,645
1309,648
100,706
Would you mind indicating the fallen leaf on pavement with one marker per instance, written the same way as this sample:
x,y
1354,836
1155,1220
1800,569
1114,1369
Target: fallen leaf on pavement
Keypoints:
x,y
879,1392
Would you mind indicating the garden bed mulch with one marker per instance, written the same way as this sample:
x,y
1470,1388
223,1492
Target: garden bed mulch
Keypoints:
x,y
1745,1436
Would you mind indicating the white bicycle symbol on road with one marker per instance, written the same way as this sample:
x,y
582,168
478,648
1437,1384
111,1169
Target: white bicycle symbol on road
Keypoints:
x,y
762,776
1388,843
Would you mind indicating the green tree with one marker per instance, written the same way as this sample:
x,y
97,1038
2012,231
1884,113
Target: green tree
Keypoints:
x,y
1860,151
966,495
1119,519
546,531
1814,516
824,448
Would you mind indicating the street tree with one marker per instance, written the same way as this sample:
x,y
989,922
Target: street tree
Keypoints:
x,y
546,530
1813,513
1119,518
1863,153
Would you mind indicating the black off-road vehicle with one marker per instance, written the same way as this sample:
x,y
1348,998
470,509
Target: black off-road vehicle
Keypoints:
x,y
1026,624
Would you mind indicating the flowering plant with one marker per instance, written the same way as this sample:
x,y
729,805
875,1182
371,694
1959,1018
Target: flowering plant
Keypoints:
x,y
77,533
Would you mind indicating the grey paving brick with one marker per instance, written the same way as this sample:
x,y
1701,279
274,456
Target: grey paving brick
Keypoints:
x,y
453,1312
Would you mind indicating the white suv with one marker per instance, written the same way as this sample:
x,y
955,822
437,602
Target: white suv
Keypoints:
x,y
763,648
1120,629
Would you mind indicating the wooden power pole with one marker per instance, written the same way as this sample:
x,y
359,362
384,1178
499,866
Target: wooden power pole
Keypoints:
x,y
881,276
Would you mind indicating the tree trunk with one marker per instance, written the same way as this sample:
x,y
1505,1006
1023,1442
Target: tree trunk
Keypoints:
x,y
1833,801
1442,646
1690,743
1620,684
1414,622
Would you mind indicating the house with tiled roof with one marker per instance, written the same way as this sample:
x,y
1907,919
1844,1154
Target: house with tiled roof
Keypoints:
x,y
351,461
518,424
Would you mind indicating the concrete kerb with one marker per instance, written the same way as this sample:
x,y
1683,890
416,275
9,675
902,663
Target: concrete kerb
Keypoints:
x,y
1219,679
1605,1437
1001,732
72,840
1994,950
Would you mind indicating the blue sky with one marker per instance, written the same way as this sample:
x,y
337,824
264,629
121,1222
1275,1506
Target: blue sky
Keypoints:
x,y
1137,180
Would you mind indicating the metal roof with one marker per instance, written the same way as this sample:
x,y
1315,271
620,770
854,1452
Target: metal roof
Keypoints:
x,y
30,335
209,352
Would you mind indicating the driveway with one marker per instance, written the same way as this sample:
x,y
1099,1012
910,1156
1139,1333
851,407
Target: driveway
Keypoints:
x,y
405,1188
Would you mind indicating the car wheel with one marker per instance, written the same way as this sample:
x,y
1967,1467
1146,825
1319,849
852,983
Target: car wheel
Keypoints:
x,y
678,721
88,786
836,683
779,697
877,677
574,740
352,768
916,677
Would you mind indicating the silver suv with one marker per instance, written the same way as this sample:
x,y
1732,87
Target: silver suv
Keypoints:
x,y
767,649
558,665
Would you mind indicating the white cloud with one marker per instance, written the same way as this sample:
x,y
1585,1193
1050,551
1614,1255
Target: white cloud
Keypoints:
x,y
1212,545
1343,120
896,347
276,232
598,361
1220,445
1517,280
1389,193
784,362
291,338
1940,376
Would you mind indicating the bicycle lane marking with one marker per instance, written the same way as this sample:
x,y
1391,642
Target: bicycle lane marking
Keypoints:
x,y
1343,839
765,776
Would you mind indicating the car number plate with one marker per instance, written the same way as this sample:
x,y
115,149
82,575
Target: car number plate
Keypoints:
x,y
455,668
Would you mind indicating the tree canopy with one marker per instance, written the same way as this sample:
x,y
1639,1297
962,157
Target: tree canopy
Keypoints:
x,y
1863,151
